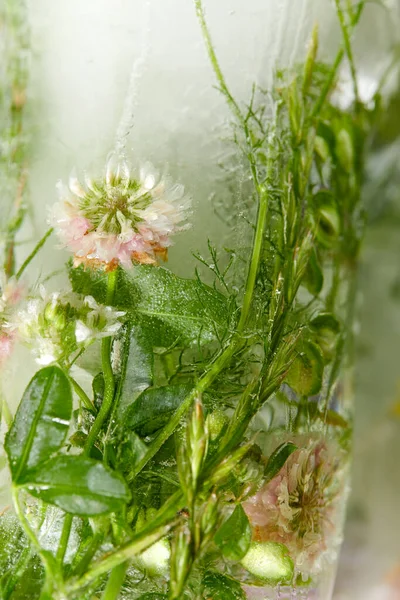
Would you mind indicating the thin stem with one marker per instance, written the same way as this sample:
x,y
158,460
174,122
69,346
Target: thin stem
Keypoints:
x,y
88,404
107,373
84,562
66,531
339,57
214,62
115,582
31,535
347,45
32,255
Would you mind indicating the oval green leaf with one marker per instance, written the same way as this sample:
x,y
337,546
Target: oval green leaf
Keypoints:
x,y
153,408
234,537
220,587
326,330
78,485
270,562
278,459
306,371
313,278
327,218
41,423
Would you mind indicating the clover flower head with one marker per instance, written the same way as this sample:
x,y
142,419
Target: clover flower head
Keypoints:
x,y
301,506
12,292
121,218
56,325
98,321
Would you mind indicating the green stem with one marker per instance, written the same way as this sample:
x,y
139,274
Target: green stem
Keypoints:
x,y
32,255
347,45
214,62
339,57
88,404
66,531
84,562
115,582
31,535
107,373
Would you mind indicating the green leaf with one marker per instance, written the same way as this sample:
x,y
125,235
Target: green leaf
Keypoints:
x,y
278,459
313,277
345,150
220,587
326,330
153,408
139,368
234,536
185,309
269,561
327,218
169,309
306,372
330,417
41,423
78,485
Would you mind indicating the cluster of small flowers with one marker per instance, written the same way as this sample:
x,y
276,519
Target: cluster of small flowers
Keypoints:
x,y
300,506
119,219
12,292
56,325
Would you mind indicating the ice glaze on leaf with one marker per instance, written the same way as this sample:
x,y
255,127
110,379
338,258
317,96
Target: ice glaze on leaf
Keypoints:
x,y
153,408
41,423
234,536
220,587
139,368
169,309
78,485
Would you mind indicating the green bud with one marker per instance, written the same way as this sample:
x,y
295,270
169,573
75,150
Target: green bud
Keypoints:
x,y
321,148
345,150
209,517
216,423
269,561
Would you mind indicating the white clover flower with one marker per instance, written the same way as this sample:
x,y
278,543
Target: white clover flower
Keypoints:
x,y
119,219
101,321
56,325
